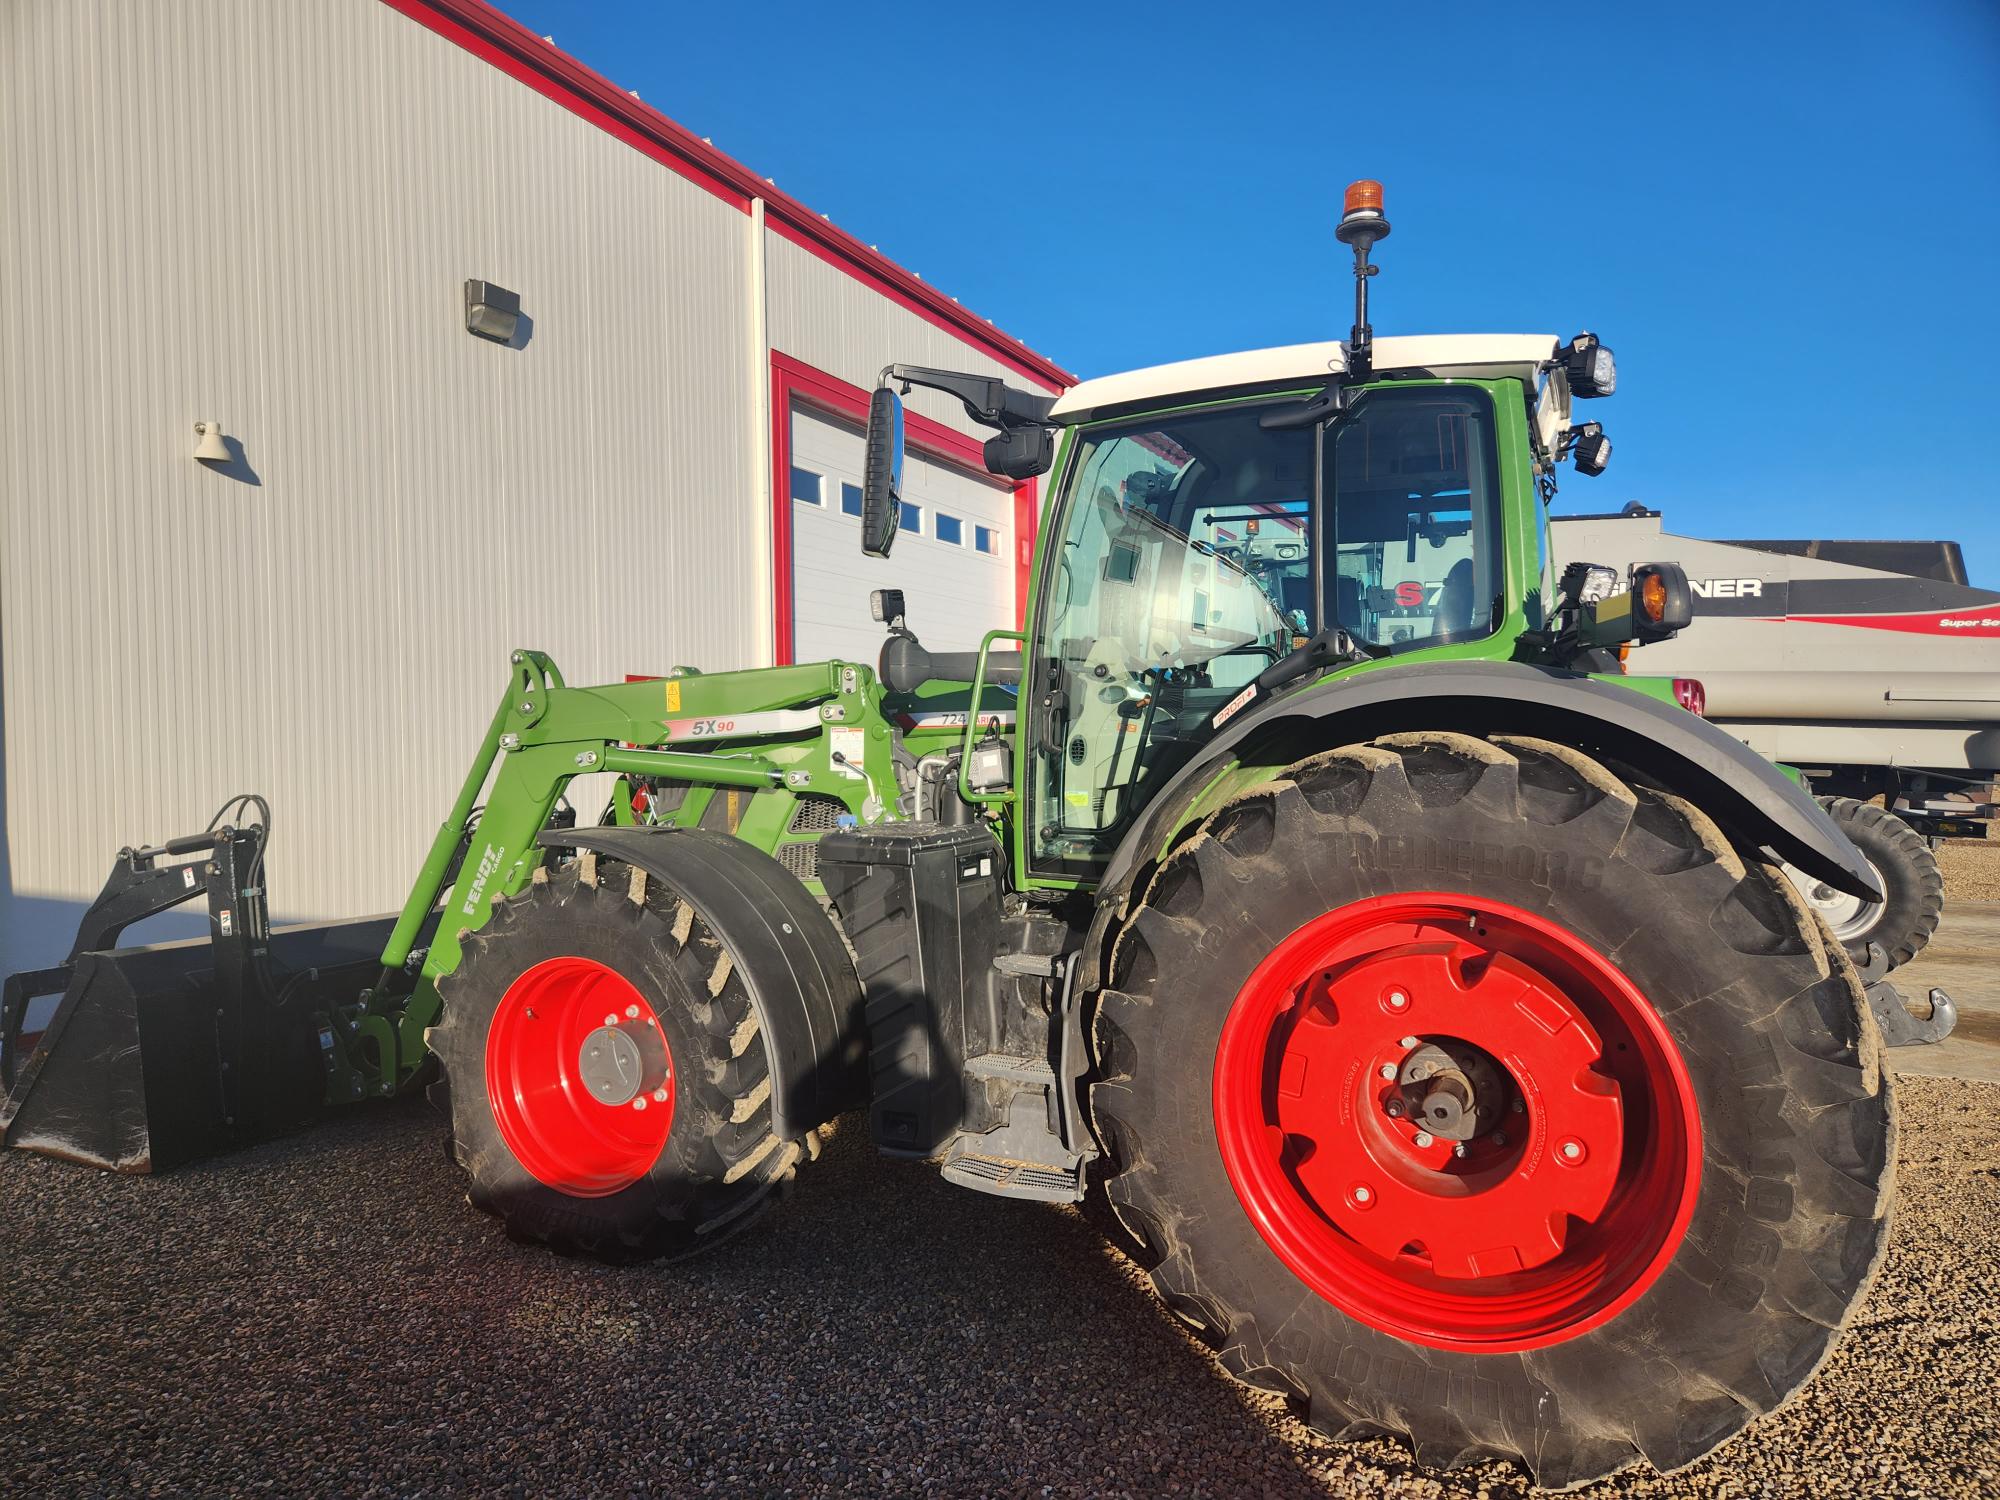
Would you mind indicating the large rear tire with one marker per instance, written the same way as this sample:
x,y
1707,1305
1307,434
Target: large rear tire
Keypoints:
x,y
1678,1143
605,1075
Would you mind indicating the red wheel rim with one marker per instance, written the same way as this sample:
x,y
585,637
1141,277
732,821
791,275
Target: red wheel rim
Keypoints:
x,y
580,1077
1543,1227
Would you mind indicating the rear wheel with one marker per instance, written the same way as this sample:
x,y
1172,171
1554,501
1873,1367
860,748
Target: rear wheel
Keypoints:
x,y
1903,865
1538,1122
606,1079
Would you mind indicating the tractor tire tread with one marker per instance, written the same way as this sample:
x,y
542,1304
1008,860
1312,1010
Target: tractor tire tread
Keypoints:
x,y
1789,1272
1914,885
729,1166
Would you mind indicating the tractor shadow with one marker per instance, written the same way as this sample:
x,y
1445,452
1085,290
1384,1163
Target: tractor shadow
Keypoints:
x,y
880,1331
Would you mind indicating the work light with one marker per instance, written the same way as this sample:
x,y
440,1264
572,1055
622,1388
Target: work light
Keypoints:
x,y
1590,366
1590,448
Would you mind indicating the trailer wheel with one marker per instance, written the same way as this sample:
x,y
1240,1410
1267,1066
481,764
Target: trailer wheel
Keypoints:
x,y
1912,886
1538,1123
606,1080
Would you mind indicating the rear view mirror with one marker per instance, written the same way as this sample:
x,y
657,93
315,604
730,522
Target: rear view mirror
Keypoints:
x,y
882,473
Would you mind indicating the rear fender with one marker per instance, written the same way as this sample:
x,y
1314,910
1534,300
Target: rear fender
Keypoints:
x,y
1753,801
801,981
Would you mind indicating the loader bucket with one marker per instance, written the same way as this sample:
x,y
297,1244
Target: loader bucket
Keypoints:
x,y
155,1055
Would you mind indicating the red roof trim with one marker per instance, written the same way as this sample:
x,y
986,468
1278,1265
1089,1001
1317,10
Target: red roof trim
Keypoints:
x,y
518,52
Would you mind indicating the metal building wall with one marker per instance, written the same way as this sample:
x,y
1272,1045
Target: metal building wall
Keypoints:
x,y
827,319
262,214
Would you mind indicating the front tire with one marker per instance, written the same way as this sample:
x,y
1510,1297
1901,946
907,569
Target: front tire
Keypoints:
x,y
1597,972
605,1075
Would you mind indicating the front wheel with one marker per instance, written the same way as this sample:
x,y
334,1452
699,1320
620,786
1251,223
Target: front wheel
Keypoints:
x,y
1538,1123
606,1078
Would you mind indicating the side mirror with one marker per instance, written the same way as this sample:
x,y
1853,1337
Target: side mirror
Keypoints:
x,y
1021,452
882,473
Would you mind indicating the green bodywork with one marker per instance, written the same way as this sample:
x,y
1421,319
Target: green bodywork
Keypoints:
x,y
743,752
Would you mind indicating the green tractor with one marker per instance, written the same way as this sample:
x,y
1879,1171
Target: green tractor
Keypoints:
x,y
1306,891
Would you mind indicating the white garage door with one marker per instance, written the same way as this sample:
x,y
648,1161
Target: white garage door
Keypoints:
x,y
953,557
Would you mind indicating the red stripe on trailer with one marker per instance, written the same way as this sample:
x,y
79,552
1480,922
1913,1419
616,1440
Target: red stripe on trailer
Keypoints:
x,y
793,380
505,43
1973,622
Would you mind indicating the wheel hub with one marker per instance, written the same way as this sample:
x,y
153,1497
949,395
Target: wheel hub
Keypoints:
x,y
1849,917
611,1066
1451,1088
1469,1201
1456,1121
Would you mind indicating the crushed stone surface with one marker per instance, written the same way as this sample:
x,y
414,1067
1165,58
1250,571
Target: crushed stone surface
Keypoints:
x,y
326,1315
1971,867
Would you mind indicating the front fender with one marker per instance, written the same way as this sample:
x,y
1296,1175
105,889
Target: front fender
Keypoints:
x,y
802,983
1662,743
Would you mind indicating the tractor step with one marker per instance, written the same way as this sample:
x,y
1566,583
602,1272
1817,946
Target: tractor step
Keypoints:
x,y
1023,1158
1041,1182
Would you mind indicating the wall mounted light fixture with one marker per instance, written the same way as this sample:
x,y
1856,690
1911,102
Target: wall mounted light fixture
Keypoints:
x,y
491,312
211,447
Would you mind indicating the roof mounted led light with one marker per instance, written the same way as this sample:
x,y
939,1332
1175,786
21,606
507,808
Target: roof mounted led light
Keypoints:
x,y
1591,368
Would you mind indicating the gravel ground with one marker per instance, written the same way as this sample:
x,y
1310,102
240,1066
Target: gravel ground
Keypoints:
x,y
325,1315
1971,868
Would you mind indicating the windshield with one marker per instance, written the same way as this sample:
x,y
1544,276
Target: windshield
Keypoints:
x,y
1185,566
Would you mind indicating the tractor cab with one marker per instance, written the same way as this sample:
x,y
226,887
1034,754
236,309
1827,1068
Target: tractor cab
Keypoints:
x,y
1222,530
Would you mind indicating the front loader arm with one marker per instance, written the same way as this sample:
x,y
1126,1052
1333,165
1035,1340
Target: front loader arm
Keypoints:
x,y
787,731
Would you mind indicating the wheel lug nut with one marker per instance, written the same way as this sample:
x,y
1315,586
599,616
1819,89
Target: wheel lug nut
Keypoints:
x,y
1499,1137
1362,1195
640,1102
1423,1137
1459,1149
1572,1151
1394,1109
1517,1107
1396,1000
1408,1041
659,1096
1388,1070
610,1020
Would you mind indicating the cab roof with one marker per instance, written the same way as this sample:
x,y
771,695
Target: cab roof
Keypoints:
x,y
1462,354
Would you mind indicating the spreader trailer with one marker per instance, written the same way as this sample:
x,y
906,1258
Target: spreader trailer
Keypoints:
x,y
1304,889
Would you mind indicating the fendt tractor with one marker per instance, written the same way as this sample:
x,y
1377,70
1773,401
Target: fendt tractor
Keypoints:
x,y
1305,891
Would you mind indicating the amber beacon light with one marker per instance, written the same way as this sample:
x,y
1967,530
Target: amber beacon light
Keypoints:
x,y
1361,213
1361,225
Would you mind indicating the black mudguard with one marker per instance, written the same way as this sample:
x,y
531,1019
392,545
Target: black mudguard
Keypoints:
x,y
793,962
1749,798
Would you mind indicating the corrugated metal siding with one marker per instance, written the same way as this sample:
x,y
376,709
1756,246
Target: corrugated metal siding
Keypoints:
x,y
827,319
262,214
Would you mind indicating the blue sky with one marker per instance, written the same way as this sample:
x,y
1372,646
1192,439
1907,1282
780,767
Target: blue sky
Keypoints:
x,y
1785,219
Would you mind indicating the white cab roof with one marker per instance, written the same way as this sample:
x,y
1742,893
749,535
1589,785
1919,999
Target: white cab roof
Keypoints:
x,y
1463,354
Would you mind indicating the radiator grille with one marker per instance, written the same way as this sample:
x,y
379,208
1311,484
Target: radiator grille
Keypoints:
x,y
817,813
801,859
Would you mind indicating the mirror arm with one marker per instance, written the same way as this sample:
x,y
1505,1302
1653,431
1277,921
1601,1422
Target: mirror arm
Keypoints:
x,y
990,402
